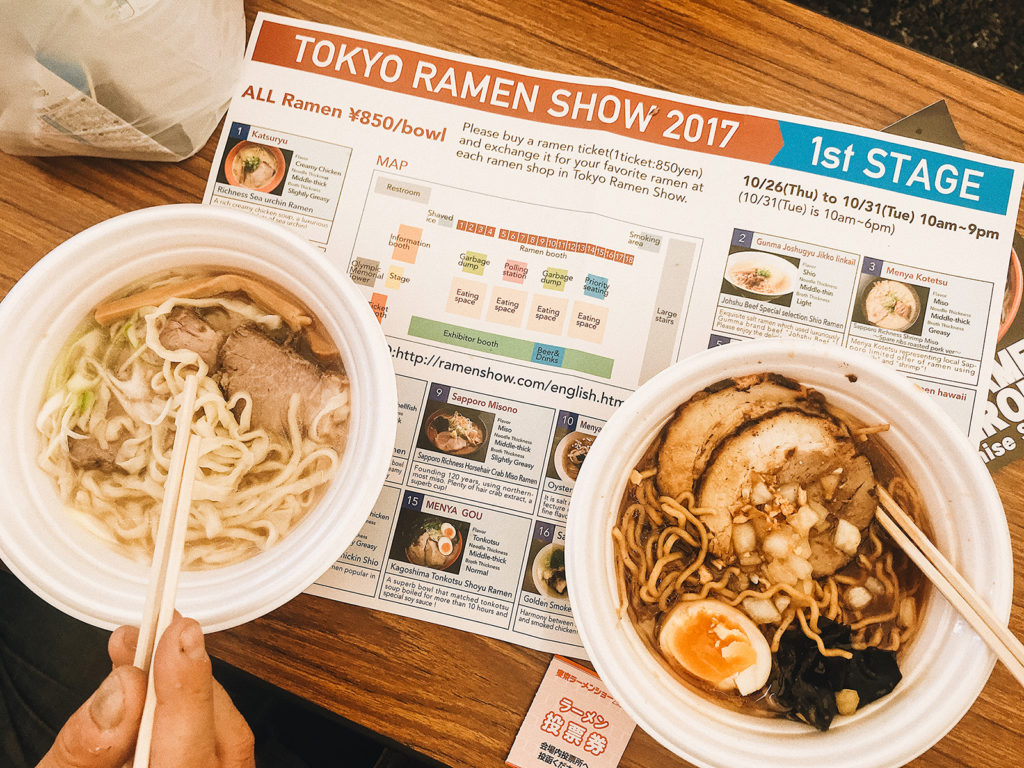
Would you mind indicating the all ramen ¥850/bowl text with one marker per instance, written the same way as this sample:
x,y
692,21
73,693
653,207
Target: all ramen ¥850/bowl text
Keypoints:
x,y
666,687
286,481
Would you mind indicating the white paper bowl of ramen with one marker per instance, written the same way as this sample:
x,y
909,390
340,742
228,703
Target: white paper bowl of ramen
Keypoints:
x,y
945,666
570,453
760,274
70,567
548,571
891,304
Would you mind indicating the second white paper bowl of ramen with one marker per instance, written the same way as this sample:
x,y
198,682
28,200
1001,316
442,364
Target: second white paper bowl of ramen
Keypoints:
x,y
944,667
69,566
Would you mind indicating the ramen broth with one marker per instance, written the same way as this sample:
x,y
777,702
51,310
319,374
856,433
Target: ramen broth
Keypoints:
x,y
273,431
892,610
454,432
891,304
575,453
254,166
759,277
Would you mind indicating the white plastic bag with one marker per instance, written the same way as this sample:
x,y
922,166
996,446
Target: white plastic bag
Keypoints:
x,y
138,79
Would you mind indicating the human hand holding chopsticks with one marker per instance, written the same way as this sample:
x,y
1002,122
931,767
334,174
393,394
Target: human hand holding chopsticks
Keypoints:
x,y
195,724
178,716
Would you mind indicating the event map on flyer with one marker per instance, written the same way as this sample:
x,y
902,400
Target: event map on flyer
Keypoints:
x,y
537,246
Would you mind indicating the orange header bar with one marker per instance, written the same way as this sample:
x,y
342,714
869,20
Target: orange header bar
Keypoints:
x,y
498,91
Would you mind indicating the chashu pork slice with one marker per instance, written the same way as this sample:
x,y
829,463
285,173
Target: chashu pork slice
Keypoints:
x,y
186,329
88,453
788,442
271,374
708,417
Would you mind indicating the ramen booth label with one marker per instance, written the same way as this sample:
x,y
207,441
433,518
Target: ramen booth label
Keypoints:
x,y
573,722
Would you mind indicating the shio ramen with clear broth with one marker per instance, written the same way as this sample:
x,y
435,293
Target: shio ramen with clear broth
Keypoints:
x,y
748,558
272,408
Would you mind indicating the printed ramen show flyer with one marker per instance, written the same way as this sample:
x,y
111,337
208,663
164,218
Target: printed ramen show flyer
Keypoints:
x,y
536,246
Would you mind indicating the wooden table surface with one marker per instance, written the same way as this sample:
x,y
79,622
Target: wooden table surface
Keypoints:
x,y
391,674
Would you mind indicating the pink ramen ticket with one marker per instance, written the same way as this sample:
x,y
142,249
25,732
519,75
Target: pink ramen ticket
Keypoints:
x,y
573,722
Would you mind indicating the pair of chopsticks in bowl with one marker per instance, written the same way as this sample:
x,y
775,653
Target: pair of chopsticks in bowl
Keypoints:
x,y
1007,648
167,555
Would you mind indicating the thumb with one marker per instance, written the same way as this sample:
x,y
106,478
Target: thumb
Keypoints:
x,y
102,733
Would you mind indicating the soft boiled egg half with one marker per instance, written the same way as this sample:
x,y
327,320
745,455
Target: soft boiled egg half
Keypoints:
x,y
716,643
445,546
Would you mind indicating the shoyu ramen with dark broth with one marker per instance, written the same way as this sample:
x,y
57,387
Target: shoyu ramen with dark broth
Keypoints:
x,y
272,409
749,560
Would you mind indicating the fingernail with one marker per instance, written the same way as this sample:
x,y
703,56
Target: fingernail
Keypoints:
x,y
192,642
107,705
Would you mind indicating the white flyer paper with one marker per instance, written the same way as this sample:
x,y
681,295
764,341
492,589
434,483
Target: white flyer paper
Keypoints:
x,y
537,245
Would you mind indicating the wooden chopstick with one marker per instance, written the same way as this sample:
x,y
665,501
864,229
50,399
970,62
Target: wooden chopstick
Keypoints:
x,y
951,584
167,556
166,612
158,568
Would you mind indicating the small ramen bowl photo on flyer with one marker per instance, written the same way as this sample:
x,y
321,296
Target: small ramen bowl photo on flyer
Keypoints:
x,y
721,551
296,409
